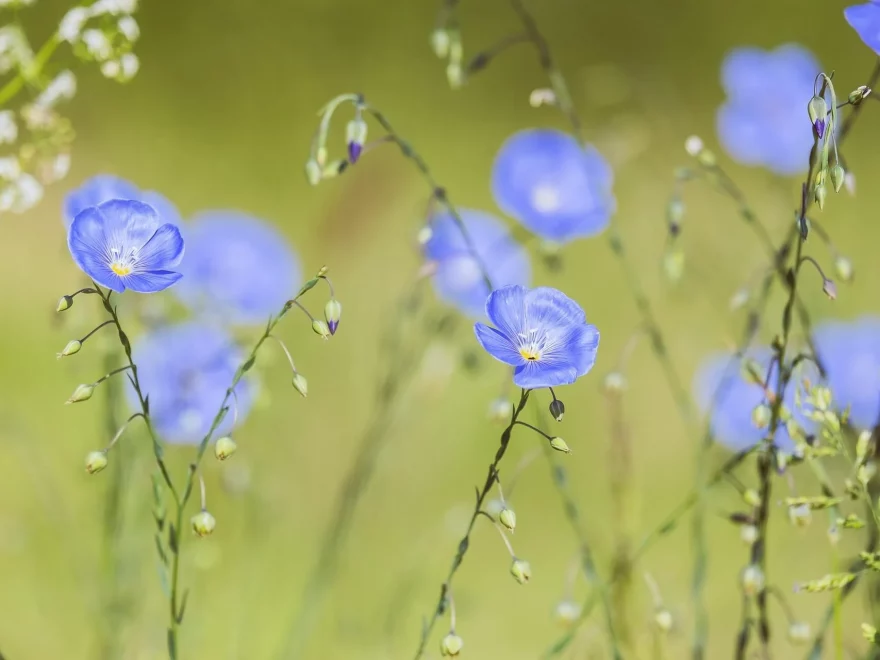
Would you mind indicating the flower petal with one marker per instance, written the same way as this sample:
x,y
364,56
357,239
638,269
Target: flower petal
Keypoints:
x,y
128,223
97,190
88,247
584,346
506,308
498,345
865,20
550,308
151,281
538,374
163,251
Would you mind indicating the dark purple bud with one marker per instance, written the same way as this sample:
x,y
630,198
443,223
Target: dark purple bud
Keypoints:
x,y
819,126
354,152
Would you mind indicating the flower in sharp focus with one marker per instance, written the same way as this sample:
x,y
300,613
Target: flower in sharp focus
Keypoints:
x,y
541,332
730,398
458,279
237,268
764,120
95,191
123,244
850,353
865,20
185,370
554,186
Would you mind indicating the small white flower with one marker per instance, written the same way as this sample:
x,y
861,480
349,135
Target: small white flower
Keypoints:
x,y
114,7
61,166
72,24
38,117
130,65
10,168
110,69
97,44
63,87
129,28
8,127
21,195
693,145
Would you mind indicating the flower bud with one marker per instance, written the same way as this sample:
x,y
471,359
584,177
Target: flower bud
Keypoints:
x,y
557,409
693,145
673,264
96,461
862,445
501,410
440,43
799,632
72,347
542,96
521,571
568,612
320,328
844,268
82,393
817,109
819,192
615,382
224,448
454,75
752,580
300,384
829,288
751,497
858,95
674,214
333,312
65,303
507,517
203,523
663,619
739,298
800,515
355,138
849,182
748,534
838,174
869,632
313,172
559,445
451,645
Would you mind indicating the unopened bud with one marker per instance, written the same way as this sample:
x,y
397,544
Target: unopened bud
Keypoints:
x,y
451,645
761,415
96,461
72,347
568,612
751,497
748,534
203,523
615,382
838,175
557,409
849,181
663,619
333,312
300,384
543,96
454,75
693,145
800,515
82,393
673,264
321,329
65,303
862,445
313,172
739,298
752,580
674,214
858,95
869,632
500,410
334,168
224,448
440,43
844,268
520,570
829,288
819,192
817,109
559,445
355,137
799,632
507,517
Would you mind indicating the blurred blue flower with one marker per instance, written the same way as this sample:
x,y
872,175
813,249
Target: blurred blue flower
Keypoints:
x,y
458,279
764,121
95,191
551,184
850,353
722,390
185,370
123,244
237,268
865,20
541,332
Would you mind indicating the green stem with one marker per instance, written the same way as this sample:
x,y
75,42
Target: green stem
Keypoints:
x,y
17,83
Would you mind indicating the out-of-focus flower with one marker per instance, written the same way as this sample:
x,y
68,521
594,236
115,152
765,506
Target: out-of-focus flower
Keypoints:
x,y
457,277
237,268
185,370
730,398
541,332
553,185
95,191
865,20
850,353
122,244
764,120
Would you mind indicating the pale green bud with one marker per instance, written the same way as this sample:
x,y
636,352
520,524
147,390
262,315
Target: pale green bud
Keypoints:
x,y
451,645
203,523
72,347
96,461
568,612
663,619
82,393
751,497
332,313
748,534
559,445
521,571
752,580
817,109
454,75
673,264
858,95
440,43
313,172
869,632
321,328
829,288
844,268
761,415
837,176
507,517
501,410
300,384
800,515
65,303
862,445
224,448
615,382
799,632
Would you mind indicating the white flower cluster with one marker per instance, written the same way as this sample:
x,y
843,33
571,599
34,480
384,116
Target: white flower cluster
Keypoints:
x,y
15,52
104,32
16,3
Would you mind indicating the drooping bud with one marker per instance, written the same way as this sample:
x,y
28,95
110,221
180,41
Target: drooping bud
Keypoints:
x,y
673,263
203,523
440,43
321,328
300,384
751,497
844,268
799,632
761,416
838,175
752,580
559,445
869,632
557,409
674,215
858,95
451,645
65,303
817,108
507,517
355,138
333,312
542,96
748,534
72,347
862,445
568,612
521,571
313,172
693,145
82,393
615,382
454,75
800,515
819,192
663,619
224,448
96,461
829,288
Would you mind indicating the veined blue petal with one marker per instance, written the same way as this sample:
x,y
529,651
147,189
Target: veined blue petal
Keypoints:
x,y
498,345
163,251
551,307
128,224
506,308
865,20
535,375
150,281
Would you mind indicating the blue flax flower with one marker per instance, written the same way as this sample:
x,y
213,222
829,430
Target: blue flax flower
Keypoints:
x,y
850,353
122,244
865,20
185,370
95,191
553,185
458,279
724,391
764,120
541,332
237,268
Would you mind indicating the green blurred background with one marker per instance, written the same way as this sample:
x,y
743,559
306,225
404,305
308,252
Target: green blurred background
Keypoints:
x,y
221,116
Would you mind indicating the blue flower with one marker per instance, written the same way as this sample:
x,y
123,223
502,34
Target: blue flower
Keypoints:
x,y
123,244
185,370
865,20
724,392
237,267
551,184
850,353
541,332
95,191
458,279
764,121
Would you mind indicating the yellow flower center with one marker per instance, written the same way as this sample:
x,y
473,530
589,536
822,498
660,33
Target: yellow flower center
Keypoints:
x,y
530,353
120,269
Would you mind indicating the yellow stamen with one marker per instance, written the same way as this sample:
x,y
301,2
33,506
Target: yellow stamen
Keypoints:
x,y
529,353
119,269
